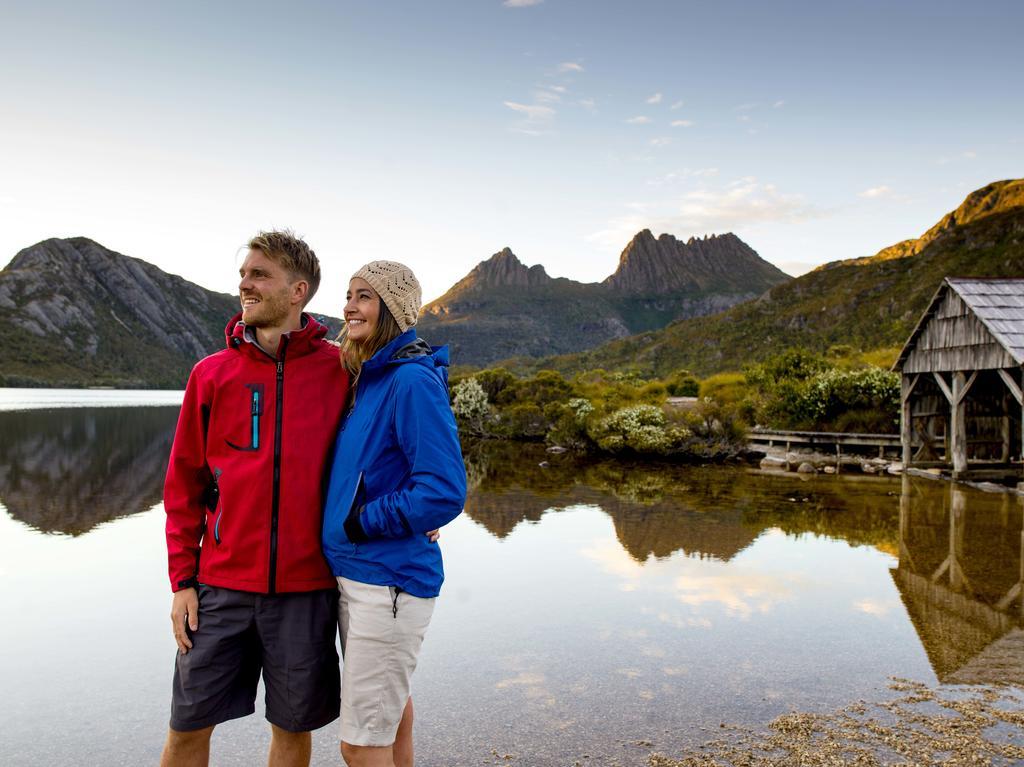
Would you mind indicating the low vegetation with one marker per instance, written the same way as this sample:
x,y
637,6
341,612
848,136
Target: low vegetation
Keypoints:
x,y
623,414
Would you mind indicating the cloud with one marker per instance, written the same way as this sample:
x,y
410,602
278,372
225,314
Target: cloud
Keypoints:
x,y
587,104
745,107
532,111
638,120
570,66
682,123
876,191
655,99
677,105
545,96
970,154
521,3
779,104
741,204
683,175
535,117
661,141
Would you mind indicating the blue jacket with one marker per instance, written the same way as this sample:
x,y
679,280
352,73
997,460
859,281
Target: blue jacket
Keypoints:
x,y
397,471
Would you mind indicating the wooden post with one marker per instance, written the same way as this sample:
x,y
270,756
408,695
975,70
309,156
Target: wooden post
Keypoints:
x,y
958,424
906,422
1004,455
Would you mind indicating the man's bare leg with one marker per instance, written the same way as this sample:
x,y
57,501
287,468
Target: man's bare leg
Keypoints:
x,y
289,749
403,739
187,749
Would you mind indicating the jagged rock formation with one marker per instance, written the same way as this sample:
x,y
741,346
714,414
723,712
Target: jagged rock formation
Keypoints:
x,y
650,266
73,313
868,304
503,308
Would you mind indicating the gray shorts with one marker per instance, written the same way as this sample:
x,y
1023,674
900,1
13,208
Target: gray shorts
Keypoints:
x,y
289,637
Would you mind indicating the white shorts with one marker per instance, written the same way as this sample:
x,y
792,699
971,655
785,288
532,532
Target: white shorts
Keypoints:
x,y
382,629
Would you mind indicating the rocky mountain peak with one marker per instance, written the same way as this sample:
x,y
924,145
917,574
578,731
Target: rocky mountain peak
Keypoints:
x,y
504,269
650,265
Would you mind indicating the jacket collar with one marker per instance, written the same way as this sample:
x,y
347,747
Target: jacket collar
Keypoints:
x,y
299,342
384,354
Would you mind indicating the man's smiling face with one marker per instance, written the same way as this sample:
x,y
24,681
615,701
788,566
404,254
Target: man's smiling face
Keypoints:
x,y
265,291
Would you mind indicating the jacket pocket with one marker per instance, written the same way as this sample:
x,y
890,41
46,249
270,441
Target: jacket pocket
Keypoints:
x,y
255,408
214,504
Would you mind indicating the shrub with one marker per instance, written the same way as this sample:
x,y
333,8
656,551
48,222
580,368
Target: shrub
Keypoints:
x,y
682,383
569,423
524,420
637,429
471,408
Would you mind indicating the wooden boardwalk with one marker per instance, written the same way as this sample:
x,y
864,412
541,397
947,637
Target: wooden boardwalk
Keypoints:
x,y
835,441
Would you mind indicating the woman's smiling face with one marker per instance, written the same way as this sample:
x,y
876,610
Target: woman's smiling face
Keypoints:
x,y
362,310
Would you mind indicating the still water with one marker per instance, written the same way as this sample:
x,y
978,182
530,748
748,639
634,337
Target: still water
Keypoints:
x,y
592,612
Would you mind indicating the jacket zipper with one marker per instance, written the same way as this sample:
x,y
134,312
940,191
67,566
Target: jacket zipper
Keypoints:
x,y
276,497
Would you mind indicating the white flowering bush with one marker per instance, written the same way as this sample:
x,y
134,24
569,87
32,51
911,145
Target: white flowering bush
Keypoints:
x,y
872,392
638,429
470,405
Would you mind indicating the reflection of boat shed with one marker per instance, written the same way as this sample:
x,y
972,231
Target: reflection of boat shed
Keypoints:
x,y
961,379
967,609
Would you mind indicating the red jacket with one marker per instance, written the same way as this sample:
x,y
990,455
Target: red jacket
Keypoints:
x,y
244,487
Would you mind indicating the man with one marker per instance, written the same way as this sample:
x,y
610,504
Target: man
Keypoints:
x,y
243,495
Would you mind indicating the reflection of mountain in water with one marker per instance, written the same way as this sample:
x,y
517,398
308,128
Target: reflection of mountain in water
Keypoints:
x,y
660,509
69,470
960,576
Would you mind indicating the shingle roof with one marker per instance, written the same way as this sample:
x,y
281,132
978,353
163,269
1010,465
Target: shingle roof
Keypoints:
x,y
999,304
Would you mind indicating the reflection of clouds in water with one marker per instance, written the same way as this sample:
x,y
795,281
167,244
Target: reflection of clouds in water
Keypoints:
x,y
675,670
740,590
613,559
740,593
532,686
877,607
684,622
629,673
525,678
653,652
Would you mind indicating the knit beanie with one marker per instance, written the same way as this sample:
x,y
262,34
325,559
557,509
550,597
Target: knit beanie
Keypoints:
x,y
398,288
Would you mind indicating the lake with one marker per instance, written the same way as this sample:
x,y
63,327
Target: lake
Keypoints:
x,y
592,612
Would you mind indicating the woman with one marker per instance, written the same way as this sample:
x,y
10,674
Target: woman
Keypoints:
x,y
397,475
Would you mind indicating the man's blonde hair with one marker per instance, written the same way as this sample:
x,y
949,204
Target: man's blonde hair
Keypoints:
x,y
291,252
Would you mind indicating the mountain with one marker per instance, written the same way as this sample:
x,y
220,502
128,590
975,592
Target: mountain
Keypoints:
x,y
870,304
503,308
73,313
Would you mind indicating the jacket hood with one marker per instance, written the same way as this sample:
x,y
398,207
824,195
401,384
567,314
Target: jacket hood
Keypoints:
x,y
409,349
300,341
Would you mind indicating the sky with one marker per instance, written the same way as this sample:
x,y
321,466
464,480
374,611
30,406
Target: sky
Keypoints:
x,y
436,132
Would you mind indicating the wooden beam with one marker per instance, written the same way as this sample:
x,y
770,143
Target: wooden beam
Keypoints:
x,y
944,387
967,386
1011,385
958,425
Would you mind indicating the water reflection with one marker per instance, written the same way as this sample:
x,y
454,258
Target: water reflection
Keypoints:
x,y
960,575
66,471
714,512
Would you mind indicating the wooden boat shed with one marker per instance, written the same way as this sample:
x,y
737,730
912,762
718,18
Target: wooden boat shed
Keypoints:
x,y
961,369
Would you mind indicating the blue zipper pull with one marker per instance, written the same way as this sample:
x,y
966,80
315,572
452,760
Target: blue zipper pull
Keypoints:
x,y
255,419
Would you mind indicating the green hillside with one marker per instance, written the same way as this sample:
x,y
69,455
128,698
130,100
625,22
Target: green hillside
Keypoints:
x,y
869,304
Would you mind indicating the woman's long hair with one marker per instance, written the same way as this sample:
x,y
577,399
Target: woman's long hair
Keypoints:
x,y
354,354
